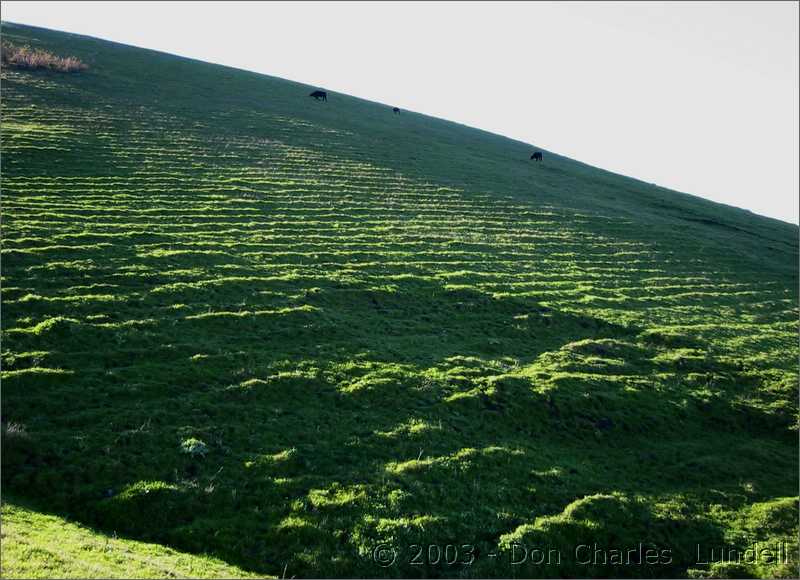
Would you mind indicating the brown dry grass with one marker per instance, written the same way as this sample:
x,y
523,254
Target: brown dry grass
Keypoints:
x,y
26,57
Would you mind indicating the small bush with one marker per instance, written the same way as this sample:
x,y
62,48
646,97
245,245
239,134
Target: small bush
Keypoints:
x,y
14,431
194,447
25,57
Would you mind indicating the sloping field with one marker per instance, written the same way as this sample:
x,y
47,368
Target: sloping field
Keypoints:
x,y
320,339
45,546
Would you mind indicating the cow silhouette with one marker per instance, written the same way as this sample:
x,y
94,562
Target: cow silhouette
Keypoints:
x,y
537,156
396,111
319,95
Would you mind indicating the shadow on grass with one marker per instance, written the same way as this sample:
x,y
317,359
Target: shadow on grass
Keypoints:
x,y
352,416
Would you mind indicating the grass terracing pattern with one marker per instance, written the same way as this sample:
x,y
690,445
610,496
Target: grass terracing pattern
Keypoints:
x,y
291,334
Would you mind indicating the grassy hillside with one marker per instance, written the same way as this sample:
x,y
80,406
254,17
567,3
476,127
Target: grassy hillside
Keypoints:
x,y
306,338
45,546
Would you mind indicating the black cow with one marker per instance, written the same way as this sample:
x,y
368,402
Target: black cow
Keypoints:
x,y
396,111
319,95
537,156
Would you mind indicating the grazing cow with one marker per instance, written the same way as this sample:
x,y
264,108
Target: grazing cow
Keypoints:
x,y
537,156
319,95
396,111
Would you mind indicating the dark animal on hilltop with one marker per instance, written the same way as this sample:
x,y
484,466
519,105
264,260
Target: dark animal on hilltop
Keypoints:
x,y
319,95
396,111
537,156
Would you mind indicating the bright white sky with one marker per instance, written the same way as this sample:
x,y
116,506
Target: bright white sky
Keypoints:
x,y
695,96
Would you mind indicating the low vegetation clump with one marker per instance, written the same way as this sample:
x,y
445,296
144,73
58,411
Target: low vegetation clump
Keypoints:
x,y
304,338
25,57
194,447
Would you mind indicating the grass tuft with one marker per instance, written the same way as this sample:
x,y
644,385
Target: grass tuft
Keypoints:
x,y
27,58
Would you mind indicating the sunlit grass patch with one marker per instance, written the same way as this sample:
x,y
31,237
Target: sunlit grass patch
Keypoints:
x,y
37,545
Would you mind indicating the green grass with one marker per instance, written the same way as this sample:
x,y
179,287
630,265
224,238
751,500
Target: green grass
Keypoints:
x,y
36,545
289,334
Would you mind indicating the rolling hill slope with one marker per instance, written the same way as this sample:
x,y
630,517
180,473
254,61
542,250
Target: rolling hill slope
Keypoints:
x,y
306,338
